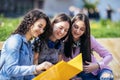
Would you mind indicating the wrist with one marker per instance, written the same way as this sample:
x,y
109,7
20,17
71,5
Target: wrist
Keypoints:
x,y
35,71
98,65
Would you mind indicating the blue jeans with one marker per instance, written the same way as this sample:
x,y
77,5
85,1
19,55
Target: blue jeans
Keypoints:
x,y
104,74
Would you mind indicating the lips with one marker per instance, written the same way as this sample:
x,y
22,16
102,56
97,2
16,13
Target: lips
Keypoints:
x,y
59,36
76,34
37,33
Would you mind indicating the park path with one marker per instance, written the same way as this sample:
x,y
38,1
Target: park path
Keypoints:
x,y
113,45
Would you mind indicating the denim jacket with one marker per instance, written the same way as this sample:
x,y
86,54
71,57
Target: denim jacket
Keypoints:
x,y
16,59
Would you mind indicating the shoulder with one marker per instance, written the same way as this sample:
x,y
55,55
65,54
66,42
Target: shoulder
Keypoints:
x,y
37,41
13,41
92,38
94,42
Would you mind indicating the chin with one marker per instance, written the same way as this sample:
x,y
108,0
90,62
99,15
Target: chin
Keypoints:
x,y
35,35
58,38
76,37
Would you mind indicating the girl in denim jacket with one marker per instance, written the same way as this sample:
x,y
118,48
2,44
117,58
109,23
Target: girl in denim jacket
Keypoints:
x,y
16,59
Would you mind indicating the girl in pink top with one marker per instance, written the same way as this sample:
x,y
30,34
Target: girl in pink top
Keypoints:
x,y
80,41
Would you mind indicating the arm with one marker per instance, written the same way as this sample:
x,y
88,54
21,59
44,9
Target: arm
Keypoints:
x,y
60,57
104,53
36,56
12,66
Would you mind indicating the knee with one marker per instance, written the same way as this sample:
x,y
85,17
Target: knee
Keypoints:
x,y
106,75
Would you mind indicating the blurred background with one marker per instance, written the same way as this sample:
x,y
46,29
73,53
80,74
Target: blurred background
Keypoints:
x,y
104,18
15,8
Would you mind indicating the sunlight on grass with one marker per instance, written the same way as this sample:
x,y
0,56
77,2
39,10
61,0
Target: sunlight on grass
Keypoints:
x,y
94,25
7,26
99,29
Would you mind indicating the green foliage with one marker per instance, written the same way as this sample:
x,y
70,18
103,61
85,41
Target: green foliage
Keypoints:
x,y
90,5
100,29
7,26
105,28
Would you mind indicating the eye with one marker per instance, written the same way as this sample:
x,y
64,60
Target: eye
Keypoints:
x,y
82,29
40,26
75,26
61,28
66,30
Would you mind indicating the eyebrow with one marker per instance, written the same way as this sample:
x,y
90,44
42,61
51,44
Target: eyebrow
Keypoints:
x,y
40,24
75,25
78,26
83,28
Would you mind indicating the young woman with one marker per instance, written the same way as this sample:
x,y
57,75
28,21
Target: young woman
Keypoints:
x,y
80,41
16,59
49,48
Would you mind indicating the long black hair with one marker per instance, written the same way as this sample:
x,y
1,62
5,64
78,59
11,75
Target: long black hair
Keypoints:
x,y
85,47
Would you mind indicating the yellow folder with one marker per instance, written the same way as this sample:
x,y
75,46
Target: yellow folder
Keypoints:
x,y
62,70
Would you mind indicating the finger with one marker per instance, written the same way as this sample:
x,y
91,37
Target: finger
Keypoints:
x,y
87,62
50,64
85,69
85,66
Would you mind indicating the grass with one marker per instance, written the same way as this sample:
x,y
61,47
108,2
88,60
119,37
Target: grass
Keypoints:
x,y
99,29
105,29
7,26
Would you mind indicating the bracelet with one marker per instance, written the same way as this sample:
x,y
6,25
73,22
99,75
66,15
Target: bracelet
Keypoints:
x,y
98,65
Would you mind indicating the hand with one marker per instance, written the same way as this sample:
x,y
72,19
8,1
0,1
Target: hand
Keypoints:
x,y
90,67
43,66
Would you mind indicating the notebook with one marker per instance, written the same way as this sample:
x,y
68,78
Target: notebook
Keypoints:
x,y
62,70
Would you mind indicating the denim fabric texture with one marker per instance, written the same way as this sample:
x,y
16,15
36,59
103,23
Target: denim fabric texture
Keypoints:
x,y
17,59
102,75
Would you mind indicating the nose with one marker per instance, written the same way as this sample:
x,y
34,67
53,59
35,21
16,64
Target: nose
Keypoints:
x,y
62,31
41,31
78,31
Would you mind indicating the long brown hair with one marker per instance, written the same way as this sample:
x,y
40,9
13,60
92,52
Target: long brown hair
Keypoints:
x,y
59,18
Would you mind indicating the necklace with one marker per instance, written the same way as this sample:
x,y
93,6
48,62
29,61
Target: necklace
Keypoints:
x,y
76,44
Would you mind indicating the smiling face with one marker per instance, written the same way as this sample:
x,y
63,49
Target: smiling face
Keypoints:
x,y
78,29
38,27
60,29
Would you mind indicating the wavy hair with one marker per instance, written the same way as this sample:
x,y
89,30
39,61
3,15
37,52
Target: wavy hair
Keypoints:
x,y
29,19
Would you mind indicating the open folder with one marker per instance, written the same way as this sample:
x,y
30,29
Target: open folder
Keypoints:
x,y
62,70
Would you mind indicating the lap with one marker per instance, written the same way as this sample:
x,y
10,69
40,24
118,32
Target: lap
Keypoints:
x,y
104,74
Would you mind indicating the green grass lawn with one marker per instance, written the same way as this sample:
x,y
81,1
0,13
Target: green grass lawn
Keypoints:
x,y
7,26
99,29
105,29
